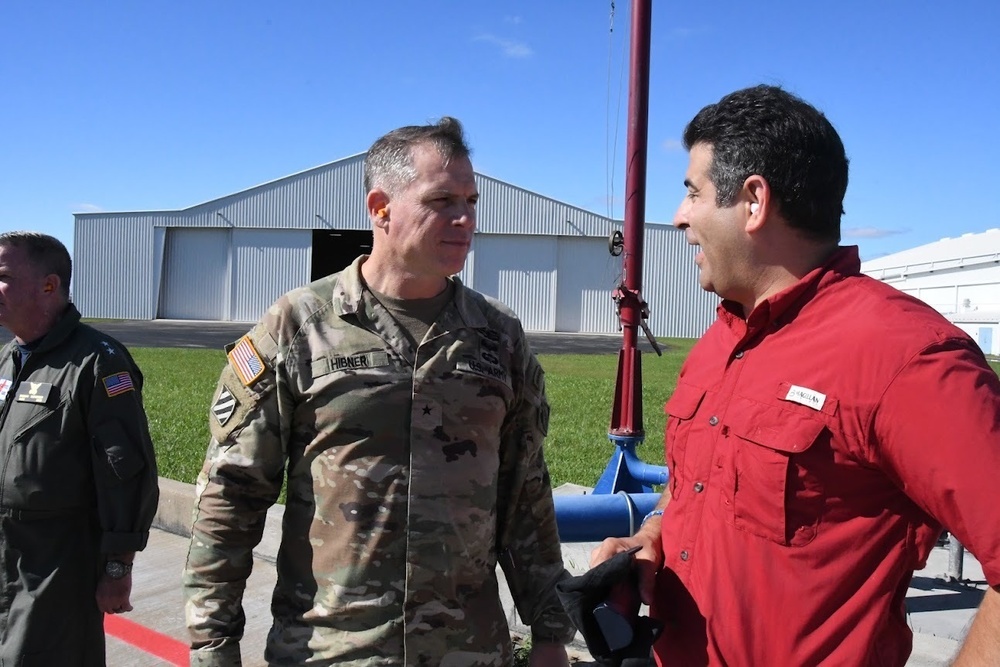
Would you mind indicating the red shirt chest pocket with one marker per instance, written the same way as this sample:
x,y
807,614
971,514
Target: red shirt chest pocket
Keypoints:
x,y
771,491
680,409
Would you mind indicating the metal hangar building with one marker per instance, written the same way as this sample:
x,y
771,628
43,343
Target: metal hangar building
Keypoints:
x,y
958,277
228,259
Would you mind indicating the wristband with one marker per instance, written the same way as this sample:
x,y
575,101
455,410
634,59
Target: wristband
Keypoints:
x,y
650,516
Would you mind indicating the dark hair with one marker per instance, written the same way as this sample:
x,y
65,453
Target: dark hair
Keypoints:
x,y
771,133
45,252
389,163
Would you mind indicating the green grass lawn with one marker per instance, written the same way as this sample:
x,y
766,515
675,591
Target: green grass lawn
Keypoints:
x,y
179,384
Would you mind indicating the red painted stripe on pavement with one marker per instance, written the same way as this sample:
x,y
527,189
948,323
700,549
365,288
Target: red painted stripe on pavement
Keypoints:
x,y
155,643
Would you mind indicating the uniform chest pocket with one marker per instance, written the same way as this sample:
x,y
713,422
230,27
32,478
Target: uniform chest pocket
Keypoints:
x,y
771,493
680,409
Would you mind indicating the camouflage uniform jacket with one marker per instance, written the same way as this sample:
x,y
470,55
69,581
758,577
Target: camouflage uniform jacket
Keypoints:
x,y
78,481
410,473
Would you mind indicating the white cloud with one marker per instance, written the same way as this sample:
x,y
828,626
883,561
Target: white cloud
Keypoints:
x,y
86,208
673,145
872,232
510,48
515,20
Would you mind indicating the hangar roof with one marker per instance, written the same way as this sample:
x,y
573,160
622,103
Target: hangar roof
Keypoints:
x,y
947,253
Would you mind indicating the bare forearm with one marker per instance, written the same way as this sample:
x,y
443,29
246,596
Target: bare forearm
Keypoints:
x,y
982,644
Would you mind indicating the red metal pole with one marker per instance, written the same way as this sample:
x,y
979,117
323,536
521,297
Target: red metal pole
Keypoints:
x,y
626,416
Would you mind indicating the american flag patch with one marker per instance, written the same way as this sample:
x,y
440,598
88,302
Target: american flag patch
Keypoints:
x,y
224,406
246,362
5,386
118,383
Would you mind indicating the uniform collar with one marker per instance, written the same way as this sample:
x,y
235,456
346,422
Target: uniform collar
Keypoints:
x,y
63,327
462,312
782,307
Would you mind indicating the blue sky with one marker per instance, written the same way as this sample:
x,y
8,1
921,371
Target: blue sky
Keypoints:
x,y
165,104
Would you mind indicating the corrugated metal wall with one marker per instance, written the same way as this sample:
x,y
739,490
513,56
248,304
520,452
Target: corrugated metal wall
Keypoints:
x,y
586,276
507,209
678,307
520,272
266,264
113,267
545,259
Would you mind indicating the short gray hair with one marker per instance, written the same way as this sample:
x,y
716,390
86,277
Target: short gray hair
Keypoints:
x,y
389,162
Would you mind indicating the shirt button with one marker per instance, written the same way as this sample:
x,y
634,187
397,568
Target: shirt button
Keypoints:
x,y
739,355
684,555
698,487
713,420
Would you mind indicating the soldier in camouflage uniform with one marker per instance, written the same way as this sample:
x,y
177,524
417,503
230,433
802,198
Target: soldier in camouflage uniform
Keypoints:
x,y
78,487
408,414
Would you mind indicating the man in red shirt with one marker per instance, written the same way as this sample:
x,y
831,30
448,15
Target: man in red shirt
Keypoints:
x,y
822,431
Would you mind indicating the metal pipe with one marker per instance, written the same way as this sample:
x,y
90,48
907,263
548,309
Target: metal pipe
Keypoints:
x,y
591,518
646,473
626,414
956,559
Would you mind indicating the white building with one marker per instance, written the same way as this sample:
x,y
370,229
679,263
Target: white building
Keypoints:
x,y
959,277
230,258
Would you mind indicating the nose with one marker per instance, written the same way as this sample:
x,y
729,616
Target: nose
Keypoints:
x,y
681,216
465,216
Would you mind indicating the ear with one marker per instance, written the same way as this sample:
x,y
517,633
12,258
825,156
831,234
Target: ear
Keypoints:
x,y
378,207
51,283
756,200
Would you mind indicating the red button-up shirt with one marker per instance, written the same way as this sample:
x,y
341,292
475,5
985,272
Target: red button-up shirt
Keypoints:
x,y
815,450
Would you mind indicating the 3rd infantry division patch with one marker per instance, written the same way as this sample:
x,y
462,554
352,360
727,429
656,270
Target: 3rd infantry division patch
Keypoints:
x,y
224,406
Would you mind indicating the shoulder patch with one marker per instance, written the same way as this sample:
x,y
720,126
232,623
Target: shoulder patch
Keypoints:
x,y
117,383
246,361
232,403
224,406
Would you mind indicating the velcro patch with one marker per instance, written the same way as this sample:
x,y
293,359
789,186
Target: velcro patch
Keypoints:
x,y
38,392
119,383
224,406
349,362
232,404
246,361
486,370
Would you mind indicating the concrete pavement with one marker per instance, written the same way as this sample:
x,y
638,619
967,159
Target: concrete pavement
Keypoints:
x,y
939,612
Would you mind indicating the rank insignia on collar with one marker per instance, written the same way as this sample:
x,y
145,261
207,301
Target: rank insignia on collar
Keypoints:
x,y
246,361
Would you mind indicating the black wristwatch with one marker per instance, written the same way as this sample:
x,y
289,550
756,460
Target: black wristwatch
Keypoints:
x,y
117,569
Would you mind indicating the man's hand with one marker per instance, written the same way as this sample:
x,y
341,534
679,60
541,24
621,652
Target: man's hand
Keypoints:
x,y
548,654
113,594
648,559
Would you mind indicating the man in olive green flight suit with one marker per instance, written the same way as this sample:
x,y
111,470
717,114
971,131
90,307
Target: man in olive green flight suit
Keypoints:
x,y
78,484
